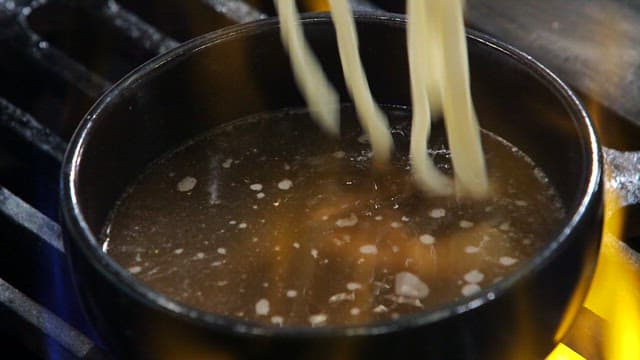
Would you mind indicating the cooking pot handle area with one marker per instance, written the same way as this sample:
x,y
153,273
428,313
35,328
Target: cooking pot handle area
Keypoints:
x,y
622,177
614,294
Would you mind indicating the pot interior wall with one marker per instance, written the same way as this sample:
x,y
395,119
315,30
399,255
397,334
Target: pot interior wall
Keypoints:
x,y
247,73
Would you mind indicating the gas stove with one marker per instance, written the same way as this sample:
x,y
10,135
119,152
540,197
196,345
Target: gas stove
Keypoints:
x,y
58,56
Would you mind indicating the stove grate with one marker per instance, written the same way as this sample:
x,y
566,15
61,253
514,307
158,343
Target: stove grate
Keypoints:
x,y
57,58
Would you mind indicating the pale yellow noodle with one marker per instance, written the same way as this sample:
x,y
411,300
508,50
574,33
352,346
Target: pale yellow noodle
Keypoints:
x,y
463,131
423,63
321,97
439,80
432,40
373,120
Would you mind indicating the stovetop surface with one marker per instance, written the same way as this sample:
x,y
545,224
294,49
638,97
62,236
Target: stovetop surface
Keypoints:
x,y
58,56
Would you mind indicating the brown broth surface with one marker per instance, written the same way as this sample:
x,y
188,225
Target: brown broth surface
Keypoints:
x,y
269,220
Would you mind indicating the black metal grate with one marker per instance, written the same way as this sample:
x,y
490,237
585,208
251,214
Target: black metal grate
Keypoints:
x,y
56,58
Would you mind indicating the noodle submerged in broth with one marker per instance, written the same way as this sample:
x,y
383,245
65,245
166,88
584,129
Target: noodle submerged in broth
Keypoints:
x,y
268,220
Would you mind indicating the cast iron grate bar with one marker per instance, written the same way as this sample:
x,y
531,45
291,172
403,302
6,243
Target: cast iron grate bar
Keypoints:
x,y
40,51
30,219
32,259
128,24
144,34
236,10
586,334
49,335
31,130
240,11
365,5
30,157
67,68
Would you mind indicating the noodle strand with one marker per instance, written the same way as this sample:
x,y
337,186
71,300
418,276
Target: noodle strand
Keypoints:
x,y
437,47
423,67
373,120
463,131
322,99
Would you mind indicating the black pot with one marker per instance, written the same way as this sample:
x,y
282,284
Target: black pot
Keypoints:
x,y
243,70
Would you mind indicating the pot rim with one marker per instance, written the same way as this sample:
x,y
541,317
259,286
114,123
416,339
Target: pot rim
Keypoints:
x,y
81,234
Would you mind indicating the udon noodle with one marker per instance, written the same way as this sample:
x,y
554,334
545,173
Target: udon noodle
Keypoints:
x,y
439,81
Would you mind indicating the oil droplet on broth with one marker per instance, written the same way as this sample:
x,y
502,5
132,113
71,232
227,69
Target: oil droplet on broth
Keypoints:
x,y
345,244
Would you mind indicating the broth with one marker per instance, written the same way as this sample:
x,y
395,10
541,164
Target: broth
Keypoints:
x,y
270,220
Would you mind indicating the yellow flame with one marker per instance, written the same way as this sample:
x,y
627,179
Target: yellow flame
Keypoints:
x,y
614,293
315,5
563,352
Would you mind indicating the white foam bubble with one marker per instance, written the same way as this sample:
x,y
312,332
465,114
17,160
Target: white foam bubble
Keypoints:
x,y
285,184
262,307
368,249
474,277
427,239
437,213
187,184
470,289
